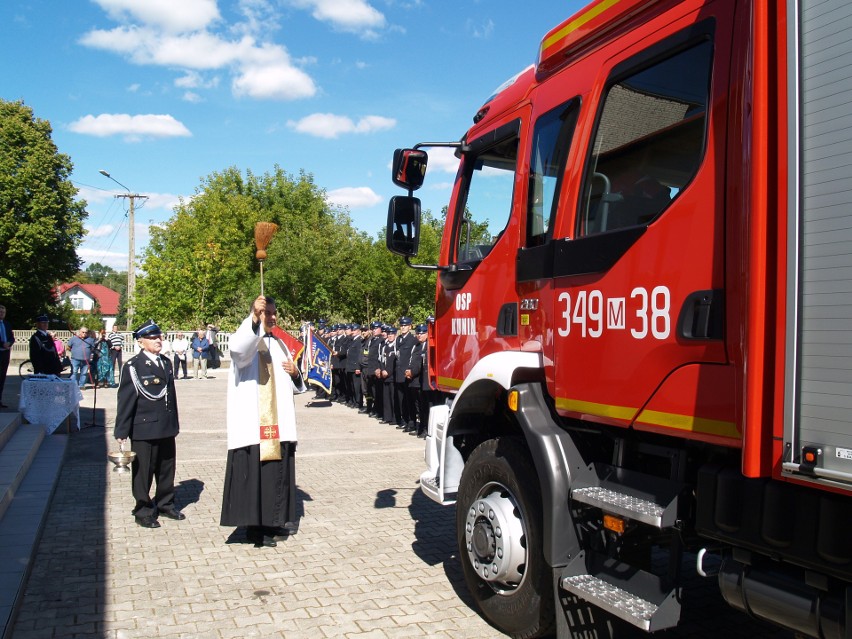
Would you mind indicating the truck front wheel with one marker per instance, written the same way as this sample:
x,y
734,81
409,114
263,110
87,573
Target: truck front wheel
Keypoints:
x,y
498,527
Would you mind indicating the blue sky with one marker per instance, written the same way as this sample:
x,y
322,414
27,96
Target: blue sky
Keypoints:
x,y
161,93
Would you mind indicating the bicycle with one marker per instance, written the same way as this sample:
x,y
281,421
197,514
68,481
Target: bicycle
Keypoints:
x,y
26,368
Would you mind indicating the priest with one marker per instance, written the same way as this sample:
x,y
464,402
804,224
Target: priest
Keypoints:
x,y
260,475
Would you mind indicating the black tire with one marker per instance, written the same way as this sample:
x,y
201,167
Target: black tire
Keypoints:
x,y
26,368
499,532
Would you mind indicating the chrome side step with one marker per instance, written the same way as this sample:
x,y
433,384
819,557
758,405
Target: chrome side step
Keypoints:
x,y
621,504
632,609
642,599
630,494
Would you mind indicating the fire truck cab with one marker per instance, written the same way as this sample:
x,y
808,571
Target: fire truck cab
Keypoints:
x,y
643,320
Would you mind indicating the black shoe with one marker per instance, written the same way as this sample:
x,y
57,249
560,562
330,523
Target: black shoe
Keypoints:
x,y
173,513
259,537
148,521
291,527
363,411
421,435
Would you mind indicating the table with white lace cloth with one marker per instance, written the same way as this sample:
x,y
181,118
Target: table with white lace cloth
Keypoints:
x,y
49,400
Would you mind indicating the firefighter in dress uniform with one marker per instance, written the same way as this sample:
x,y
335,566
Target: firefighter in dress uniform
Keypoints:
x,y
147,414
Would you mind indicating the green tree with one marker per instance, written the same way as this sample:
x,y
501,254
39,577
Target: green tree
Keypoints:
x,y
41,222
200,266
98,272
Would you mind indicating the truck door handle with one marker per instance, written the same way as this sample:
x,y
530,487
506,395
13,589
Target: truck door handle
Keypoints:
x,y
703,315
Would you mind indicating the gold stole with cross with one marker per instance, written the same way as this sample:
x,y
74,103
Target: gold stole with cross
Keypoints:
x,y
270,447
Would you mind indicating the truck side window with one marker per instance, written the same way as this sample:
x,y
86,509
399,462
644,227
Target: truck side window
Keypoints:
x,y
649,142
551,143
489,183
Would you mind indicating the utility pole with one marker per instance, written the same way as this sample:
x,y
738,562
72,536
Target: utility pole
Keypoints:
x,y
131,250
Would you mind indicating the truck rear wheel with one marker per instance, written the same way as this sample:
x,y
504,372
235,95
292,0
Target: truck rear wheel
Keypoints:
x,y
498,527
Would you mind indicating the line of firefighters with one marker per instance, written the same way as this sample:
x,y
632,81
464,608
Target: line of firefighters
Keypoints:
x,y
382,371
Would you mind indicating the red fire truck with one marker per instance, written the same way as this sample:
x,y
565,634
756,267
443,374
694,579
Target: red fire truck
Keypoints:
x,y
643,320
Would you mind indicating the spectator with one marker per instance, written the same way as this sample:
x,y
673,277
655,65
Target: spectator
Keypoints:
x,y
7,338
116,352
200,353
59,345
104,373
179,348
81,347
213,360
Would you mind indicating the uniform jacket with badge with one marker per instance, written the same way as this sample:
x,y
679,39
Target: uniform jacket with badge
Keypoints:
x,y
372,360
418,366
43,354
353,354
389,361
404,345
145,411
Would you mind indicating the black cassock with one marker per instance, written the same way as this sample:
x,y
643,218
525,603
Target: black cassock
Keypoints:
x,y
260,493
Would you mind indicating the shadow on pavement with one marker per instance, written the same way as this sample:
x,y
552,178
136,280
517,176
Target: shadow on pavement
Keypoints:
x,y
188,492
435,542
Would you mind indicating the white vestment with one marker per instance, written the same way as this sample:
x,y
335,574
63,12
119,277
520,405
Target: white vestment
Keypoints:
x,y
243,410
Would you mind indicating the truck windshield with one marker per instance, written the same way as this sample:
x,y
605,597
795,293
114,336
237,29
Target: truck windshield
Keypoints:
x,y
490,178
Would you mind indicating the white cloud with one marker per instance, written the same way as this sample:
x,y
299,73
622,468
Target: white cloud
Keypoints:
x,y
167,15
190,96
278,80
442,159
132,127
329,125
113,259
165,201
100,231
354,197
351,16
260,69
482,30
194,80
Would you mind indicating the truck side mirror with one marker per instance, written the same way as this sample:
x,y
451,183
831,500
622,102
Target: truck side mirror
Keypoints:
x,y
409,168
403,229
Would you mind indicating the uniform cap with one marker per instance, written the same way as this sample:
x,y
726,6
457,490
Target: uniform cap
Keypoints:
x,y
365,327
421,328
405,321
376,325
148,329
42,318
391,330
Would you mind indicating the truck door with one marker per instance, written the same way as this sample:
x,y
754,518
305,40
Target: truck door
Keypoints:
x,y
476,313
639,272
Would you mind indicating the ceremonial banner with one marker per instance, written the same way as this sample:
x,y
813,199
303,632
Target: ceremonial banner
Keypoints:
x,y
292,343
316,361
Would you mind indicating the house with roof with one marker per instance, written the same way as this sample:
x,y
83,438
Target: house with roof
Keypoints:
x,y
84,297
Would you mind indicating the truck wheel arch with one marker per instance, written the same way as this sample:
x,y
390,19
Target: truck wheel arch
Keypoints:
x,y
556,458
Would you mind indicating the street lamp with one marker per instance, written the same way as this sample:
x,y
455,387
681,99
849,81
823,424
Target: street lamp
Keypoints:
x,y
131,255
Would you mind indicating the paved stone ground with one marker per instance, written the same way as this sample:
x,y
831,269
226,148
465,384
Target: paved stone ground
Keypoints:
x,y
373,557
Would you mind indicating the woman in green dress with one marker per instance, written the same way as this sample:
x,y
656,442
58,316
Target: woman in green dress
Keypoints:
x,y
105,374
